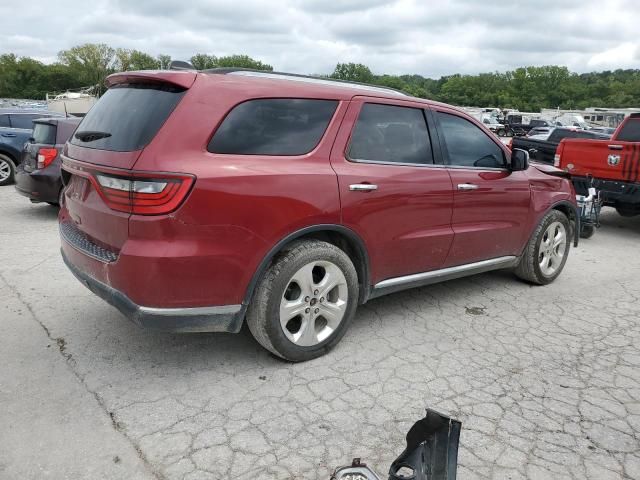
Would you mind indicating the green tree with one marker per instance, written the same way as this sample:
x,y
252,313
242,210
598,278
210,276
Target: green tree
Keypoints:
x,y
92,62
203,61
135,60
242,61
353,72
164,61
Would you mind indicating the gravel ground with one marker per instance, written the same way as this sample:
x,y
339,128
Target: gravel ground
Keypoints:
x,y
546,380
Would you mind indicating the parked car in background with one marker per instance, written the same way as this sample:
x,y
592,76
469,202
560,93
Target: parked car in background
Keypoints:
x,y
196,199
15,130
544,149
38,174
604,130
612,166
540,131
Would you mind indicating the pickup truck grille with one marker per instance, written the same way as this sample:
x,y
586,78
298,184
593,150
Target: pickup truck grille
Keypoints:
x,y
81,242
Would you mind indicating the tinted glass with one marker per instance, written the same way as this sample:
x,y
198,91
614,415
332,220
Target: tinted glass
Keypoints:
x,y
285,126
386,133
23,121
467,145
44,133
4,121
127,117
630,131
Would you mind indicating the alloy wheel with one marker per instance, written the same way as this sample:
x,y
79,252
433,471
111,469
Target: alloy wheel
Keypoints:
x,y
313,303
552,249
5,170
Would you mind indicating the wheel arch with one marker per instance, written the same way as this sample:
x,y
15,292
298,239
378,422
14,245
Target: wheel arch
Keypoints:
x,y
571,211
340,236
11,153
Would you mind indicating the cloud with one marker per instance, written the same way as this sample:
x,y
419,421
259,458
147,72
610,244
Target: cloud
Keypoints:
x,y
311,36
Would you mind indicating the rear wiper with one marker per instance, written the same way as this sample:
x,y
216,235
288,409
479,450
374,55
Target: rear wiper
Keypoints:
x,y
91,136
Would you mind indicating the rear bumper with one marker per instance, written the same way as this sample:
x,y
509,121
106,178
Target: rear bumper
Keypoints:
x,y
39,185
614,193
225,318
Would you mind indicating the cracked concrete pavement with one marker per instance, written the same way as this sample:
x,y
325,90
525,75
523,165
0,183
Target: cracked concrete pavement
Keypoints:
x,y
546,380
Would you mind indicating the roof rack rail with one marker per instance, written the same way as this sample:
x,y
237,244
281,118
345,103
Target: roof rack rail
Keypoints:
x,y
300,77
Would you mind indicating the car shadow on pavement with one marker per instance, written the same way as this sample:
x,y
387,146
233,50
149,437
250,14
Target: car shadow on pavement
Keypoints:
x,y
37,212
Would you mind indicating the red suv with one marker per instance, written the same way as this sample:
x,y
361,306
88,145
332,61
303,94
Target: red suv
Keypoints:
x,y
194,200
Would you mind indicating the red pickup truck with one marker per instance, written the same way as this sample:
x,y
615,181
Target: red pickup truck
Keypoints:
x,y
611,166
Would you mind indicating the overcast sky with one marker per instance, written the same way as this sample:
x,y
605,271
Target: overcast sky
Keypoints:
x,y
432,38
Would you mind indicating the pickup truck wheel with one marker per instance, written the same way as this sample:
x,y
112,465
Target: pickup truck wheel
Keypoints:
x,y
547,250
305,301
501,133
7,170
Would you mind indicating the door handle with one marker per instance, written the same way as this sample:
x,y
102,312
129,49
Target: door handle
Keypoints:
x,y
363,187
616,147
467,186
8,134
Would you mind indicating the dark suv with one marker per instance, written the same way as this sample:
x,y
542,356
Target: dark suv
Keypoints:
x,y
194,200
38,175
15,130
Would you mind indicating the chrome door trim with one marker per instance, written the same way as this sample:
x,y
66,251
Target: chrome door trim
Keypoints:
x,y
435,276
467,186
362,187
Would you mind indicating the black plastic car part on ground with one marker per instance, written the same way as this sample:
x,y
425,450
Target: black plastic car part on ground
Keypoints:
x,y
431,453
38,175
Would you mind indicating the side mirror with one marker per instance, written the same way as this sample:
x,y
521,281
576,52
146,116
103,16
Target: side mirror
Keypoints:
x,y
519,160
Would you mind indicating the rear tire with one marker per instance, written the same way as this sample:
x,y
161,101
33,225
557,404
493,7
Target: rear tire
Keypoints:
x,y
501,133
308,280
587,231
547,250
7,170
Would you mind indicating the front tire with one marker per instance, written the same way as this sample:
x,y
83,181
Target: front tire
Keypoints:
x,y
305,301
547,250
7,170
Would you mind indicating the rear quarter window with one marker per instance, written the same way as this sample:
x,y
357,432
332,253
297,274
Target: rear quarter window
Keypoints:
x,y
630,131
273,126
127,117
23,121
43,133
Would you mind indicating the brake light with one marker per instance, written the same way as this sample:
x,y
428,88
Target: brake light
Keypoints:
x,y
143,196
46,156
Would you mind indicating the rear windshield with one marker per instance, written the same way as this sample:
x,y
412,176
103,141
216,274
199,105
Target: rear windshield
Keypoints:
x,y
283,126
630,131
127,117
43,133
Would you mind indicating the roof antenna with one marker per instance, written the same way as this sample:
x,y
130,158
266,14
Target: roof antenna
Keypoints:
x,y
66,114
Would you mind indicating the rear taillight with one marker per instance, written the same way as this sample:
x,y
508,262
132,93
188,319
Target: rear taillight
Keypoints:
x,y
46,156
158,195
556,160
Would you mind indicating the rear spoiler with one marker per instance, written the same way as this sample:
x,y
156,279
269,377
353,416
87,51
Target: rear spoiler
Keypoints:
x,y
179,78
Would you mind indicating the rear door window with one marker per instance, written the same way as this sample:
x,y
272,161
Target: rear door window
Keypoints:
x,y
4,121
467,145
127,117
43,133
22,120
630,131
273,126
391,134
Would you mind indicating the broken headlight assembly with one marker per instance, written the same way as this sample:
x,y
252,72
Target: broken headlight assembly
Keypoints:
x,y
431,453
